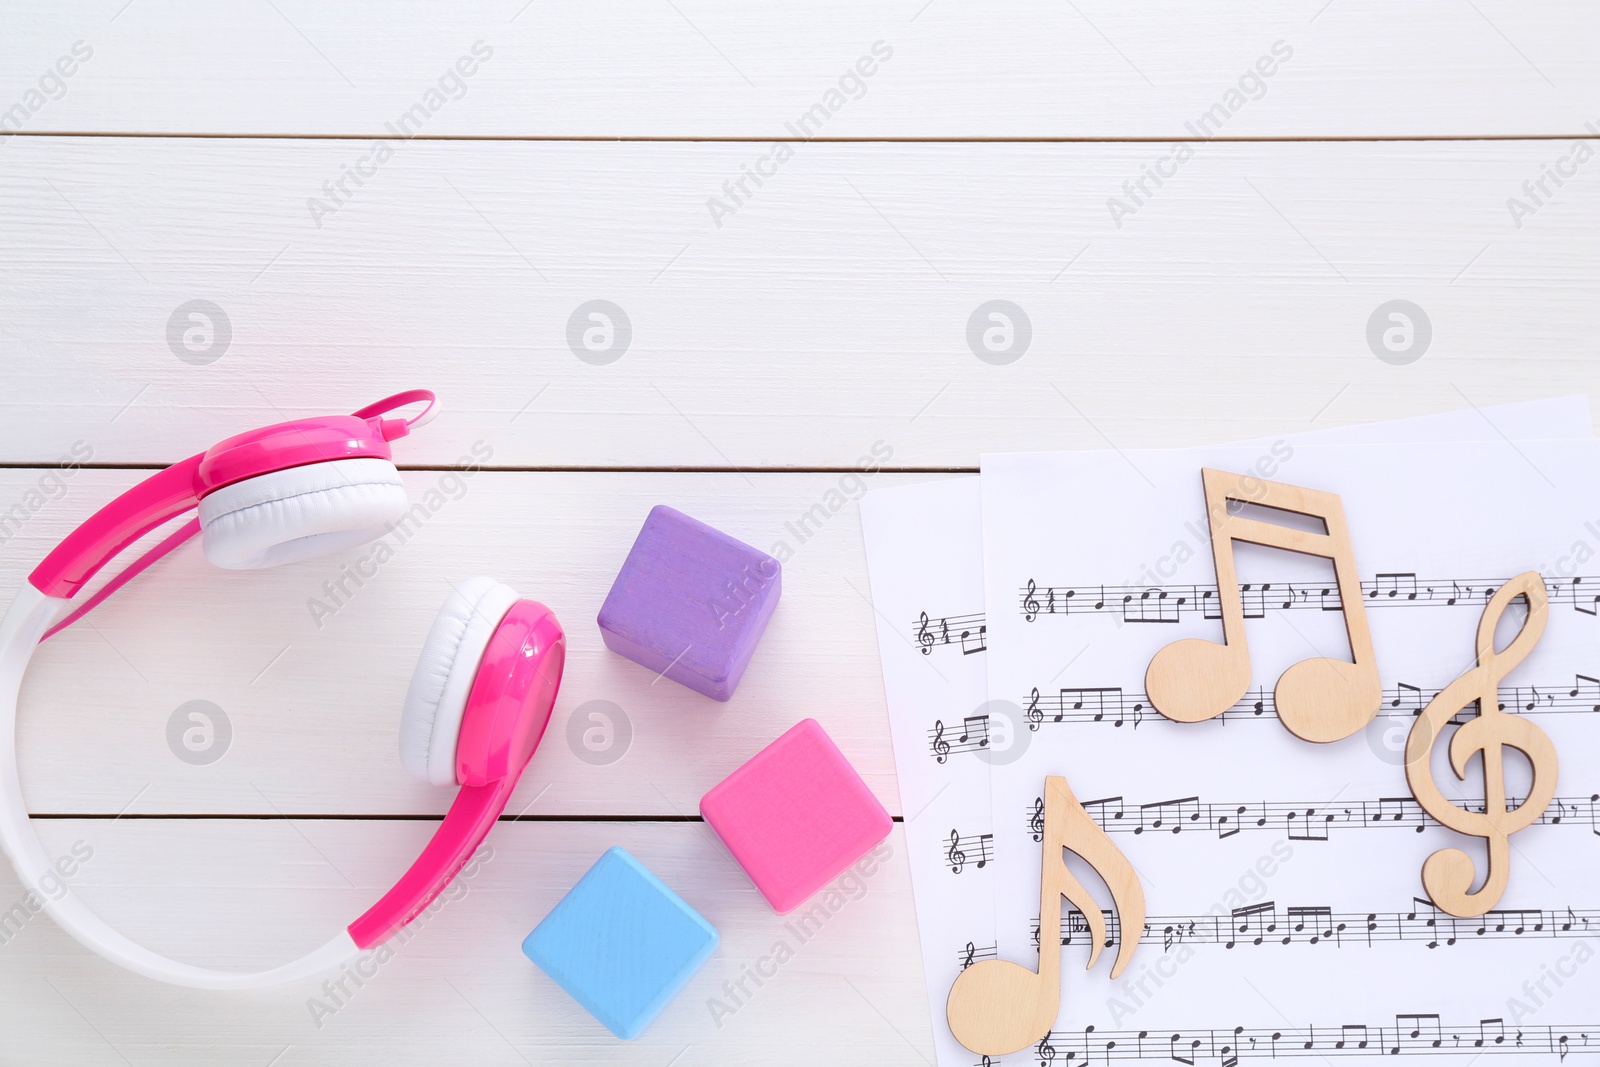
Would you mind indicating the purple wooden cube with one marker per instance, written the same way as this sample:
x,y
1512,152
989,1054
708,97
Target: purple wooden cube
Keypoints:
x,y
690,603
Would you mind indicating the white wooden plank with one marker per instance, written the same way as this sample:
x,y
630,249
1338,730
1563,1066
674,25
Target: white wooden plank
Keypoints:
x,y
829,313
314,710
250,894
714,68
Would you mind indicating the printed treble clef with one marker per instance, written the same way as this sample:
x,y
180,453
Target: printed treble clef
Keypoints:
x,y
1047,1051
956,858
1030,603
1036,821
941,747
1448,874
924,638
1033,714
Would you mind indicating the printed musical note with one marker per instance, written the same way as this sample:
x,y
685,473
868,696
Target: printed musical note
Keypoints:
x,y
1352,1036
977,850
1153,605
1253,923
1582,599
1318,924
1110,811
1171,815
1449,874
1094,703
1318,699
997,1007
1392,585
978,734
1424,1028
978,640
1407,698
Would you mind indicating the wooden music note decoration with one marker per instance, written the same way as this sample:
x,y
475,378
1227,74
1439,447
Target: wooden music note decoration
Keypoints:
x,y
996,1007
1448,874
1318,699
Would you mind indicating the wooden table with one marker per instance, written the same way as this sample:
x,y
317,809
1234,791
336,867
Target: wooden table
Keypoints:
x,y
799,211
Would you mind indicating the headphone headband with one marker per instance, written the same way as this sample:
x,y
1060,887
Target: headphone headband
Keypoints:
x,y
24,624
171,492
520,670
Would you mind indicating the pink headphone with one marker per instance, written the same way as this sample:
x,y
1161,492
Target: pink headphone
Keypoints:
x,y
479,700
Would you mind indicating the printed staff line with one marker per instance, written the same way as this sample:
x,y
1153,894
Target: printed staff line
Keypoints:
x,y
1165,603
512,468
1410,1034
1300,821
1118,707
976,850
1266,924
1259,924
694,138
970,633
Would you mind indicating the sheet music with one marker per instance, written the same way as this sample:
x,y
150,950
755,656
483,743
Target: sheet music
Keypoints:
x,y
924,551
925,557
1282,877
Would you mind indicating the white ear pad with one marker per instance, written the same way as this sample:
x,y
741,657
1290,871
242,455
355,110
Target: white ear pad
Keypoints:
x,y
295,514
431,721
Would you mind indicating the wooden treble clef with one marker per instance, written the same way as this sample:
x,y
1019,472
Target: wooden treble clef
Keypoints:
x,y
1448,874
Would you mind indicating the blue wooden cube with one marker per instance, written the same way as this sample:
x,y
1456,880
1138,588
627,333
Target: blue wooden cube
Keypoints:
x,y
621,943
690,603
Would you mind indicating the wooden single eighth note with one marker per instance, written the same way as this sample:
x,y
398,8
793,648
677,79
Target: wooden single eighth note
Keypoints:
x,y
997,1007
1318,699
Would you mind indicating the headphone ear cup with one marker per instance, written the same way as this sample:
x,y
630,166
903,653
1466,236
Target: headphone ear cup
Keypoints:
x,y
430,723
295,514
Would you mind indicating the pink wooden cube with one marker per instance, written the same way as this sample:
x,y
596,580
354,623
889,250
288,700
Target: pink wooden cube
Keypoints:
x,y
796,815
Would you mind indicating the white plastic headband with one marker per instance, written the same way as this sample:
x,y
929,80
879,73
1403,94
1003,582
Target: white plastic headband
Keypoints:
x,y
29,616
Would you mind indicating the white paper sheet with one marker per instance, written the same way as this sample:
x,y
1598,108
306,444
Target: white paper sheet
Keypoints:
x,y
924,547
925,556
1471,512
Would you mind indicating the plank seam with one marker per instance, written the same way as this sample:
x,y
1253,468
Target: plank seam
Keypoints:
x,y
61,816
153,467
752,139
